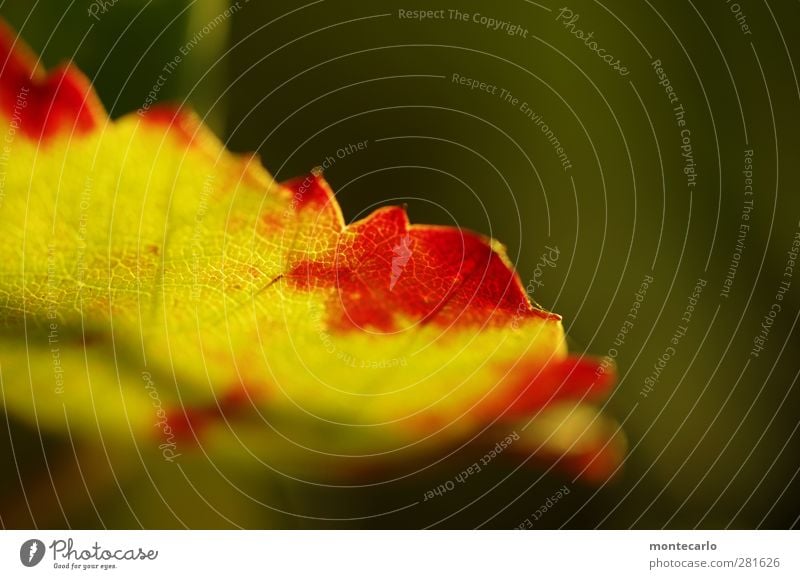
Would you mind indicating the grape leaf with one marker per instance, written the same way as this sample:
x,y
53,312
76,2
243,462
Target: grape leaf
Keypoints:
x,y
155,285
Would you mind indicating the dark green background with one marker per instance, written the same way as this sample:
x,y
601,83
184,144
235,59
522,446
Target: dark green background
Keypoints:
x,y
716,443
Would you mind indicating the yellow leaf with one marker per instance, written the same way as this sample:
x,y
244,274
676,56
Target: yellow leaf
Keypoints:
x,y
154,285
